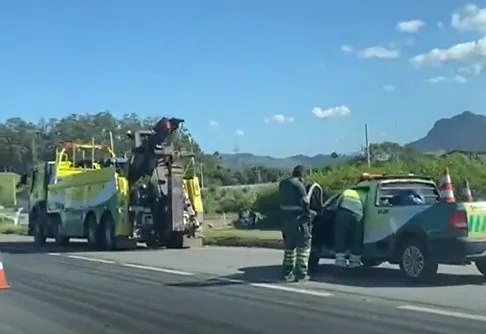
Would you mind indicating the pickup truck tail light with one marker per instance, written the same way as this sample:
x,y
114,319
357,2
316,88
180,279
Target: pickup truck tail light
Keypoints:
x,y
458,221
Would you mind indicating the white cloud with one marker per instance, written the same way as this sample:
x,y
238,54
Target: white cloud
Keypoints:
x,y
440,25
380,52
474,69
411,26
461,52
470,17
389,88
338,111
457,79
213,124
240,133
347,48
279,119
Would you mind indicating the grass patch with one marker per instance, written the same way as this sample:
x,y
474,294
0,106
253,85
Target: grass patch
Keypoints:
x,y
243,238
9,228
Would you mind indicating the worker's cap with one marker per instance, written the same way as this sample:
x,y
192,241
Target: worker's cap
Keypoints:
x,y
298,171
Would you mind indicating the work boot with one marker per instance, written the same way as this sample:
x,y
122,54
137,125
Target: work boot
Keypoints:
x,y
301,278
289,277
354,261
341,260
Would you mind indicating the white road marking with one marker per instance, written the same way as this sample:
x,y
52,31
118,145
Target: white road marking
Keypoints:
x,y
436,311
162,270
279,287
92,259
289,289
54,254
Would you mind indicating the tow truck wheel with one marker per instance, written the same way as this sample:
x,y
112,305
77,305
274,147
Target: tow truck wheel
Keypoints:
x,y
39,234
415,262
60,239
92,233
109,238
176,240
39,229
481,265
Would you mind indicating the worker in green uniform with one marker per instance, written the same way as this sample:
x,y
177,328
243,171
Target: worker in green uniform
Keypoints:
x,y
349,218
295,225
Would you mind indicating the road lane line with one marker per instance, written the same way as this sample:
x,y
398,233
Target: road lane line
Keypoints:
x,y
92,259
279,287
289,289
54,254
162,270
436,311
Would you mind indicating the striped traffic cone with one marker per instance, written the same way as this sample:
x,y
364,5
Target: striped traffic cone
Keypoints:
x,y
3,279
466,192
445,188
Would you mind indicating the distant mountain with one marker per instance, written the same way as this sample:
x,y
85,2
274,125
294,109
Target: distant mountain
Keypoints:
x,y
466,132
246,160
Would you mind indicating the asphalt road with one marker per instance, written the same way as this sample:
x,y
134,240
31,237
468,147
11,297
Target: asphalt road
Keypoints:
x,y
113,293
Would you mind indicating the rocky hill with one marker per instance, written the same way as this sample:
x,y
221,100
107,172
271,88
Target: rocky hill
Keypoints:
x,y
466,132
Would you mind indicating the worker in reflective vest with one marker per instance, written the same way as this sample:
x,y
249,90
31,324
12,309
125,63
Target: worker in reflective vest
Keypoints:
x,y
295,225
349,217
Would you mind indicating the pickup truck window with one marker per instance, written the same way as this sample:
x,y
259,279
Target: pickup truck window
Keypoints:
x,y
404,193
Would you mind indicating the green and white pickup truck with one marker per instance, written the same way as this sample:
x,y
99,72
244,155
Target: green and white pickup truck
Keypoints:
x,y
417,236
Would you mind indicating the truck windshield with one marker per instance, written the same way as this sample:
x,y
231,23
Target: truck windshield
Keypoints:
x,y
401,193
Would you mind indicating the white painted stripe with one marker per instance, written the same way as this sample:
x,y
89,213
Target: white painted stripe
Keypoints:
x,y
162,270
54,254
294,290
454,314
90,259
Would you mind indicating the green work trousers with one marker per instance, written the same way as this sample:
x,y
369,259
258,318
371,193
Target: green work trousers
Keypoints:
x,y
348,232
296,233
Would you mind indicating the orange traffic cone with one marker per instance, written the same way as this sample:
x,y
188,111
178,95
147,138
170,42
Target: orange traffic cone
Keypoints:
x,y
3,280
445,188
466,192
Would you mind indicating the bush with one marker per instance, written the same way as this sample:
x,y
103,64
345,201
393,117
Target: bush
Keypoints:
x,y
336,178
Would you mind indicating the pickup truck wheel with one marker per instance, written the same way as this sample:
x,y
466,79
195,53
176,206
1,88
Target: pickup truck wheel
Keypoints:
x,y
416,263
314,258
481,265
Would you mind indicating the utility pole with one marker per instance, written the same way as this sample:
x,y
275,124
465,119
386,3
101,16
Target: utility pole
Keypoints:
x,y
368,158
202,174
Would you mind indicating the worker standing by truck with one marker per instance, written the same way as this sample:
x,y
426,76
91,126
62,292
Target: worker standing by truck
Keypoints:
x,y
295,225
349,218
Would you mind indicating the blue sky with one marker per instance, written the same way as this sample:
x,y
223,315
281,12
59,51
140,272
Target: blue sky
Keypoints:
x,y
239,63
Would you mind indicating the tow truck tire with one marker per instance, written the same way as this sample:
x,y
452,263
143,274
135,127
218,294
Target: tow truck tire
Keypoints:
x,y
60,239
176,240
92,232
108,228
481,266
39,228
415,262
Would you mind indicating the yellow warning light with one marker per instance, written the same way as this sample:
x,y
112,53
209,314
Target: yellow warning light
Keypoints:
x,y
368,176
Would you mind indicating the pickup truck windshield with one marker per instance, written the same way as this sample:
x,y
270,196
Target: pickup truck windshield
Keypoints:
x,y
401,193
